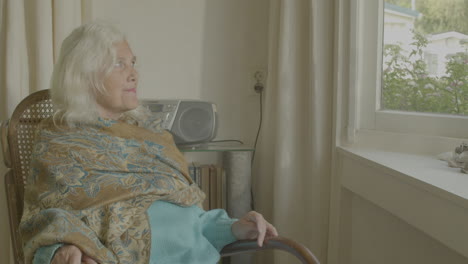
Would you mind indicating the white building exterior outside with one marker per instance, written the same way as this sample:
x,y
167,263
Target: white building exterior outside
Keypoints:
x,y
441,47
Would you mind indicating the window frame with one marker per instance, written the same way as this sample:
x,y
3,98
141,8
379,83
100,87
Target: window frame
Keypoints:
x,y
366,46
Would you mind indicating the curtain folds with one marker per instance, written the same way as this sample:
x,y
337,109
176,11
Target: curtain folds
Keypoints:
x,y
31,33
292,171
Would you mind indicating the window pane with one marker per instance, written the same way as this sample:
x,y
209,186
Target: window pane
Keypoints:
x,y
425,56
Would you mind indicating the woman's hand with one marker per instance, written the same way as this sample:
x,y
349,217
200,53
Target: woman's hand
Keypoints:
x,y
253,226
71,254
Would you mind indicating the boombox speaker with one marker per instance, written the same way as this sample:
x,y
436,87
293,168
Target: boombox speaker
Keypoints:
x,y
189,121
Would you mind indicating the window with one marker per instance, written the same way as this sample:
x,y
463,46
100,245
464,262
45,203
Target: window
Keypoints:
x,y
406,104
413,79
431,60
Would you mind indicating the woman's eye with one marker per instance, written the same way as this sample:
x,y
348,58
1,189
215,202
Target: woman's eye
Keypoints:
x,y
134,63
119,64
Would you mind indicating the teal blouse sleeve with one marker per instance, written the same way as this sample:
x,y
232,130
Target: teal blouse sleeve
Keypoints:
x,y
45,254
216,227
182,235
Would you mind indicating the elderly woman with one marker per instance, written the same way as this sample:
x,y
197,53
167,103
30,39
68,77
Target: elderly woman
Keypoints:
x,y
108,185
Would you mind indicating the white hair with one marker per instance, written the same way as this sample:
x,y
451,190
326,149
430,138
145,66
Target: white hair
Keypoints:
x,y
86,57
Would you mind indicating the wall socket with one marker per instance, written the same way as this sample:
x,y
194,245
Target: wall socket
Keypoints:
x,y
259,85
259,76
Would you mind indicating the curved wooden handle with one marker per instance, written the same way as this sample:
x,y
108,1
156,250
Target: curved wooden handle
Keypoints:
x,y
280,243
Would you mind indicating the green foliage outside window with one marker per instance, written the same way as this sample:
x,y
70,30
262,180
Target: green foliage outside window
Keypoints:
x,y
407,86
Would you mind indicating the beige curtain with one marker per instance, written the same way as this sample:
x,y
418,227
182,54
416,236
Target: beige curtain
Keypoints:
x,y
293,160
31,33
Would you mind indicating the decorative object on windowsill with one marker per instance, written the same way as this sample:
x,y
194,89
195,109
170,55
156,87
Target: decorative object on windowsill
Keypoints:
x,y
457,158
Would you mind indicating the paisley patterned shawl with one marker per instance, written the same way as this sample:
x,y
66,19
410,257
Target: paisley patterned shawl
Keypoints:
x,y
91,186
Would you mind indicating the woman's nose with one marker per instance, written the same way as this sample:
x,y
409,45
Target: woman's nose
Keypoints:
x,y
133,77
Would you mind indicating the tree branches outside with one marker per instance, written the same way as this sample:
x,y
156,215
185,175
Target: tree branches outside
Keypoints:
x,y
439,15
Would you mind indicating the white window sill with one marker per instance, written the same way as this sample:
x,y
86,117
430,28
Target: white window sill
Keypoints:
x,y
406,179
423,171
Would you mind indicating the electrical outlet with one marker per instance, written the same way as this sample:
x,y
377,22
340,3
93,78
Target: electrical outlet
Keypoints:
x,y
259,76
259,81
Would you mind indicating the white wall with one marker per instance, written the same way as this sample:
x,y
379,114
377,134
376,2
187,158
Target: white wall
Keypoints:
x,y
198,49
380,237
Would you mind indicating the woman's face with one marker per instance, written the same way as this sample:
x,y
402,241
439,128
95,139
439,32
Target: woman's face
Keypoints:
x,y
121,85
